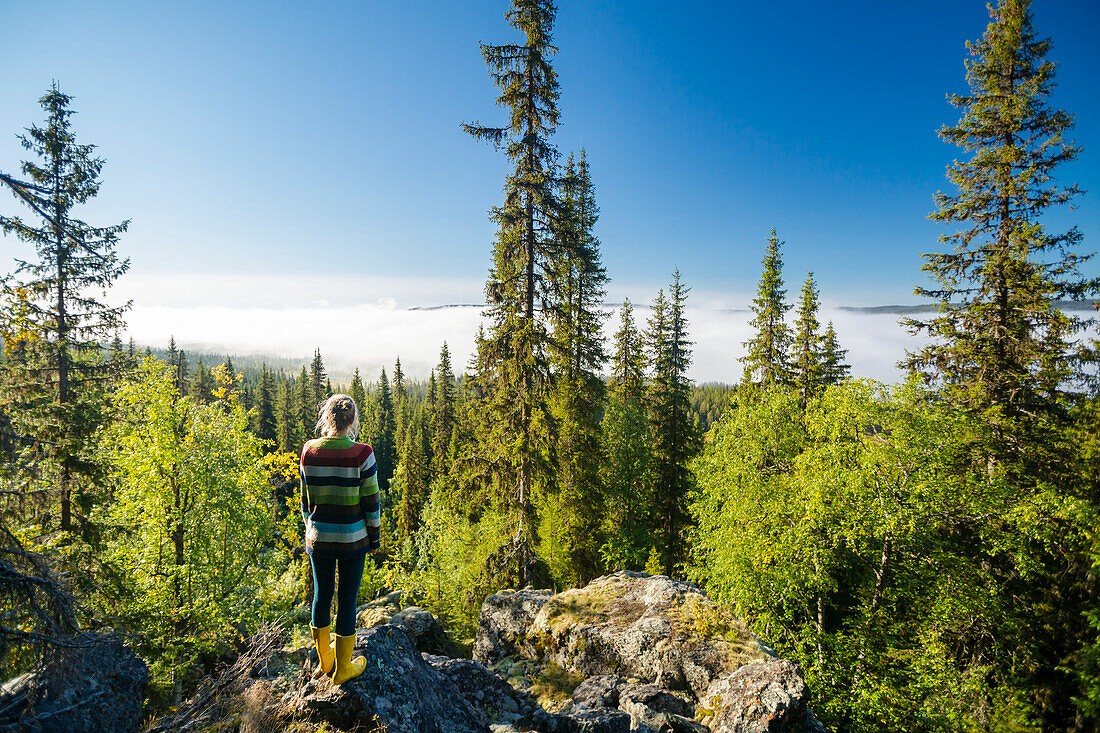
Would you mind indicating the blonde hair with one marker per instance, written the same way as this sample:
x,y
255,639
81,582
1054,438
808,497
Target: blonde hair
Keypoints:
x,y
338,416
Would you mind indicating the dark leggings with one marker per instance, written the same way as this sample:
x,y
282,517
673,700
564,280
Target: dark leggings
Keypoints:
x,y
324,584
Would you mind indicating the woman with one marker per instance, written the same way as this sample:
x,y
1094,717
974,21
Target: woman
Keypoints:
x,y
341,511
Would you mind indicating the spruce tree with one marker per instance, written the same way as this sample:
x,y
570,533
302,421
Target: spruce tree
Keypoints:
x,y
265,407
834,369
443,417
383,439
521,290
628,524
675,438
767,360
287,419
53,389
177,359
400,407
580,388
807,357
1003,346
359,394
317,379
1000,338
201,388
414,476
307,406
628,363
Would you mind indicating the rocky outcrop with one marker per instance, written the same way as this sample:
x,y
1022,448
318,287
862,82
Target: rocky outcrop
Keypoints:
x,y
628,652
655,648
398,690
96,685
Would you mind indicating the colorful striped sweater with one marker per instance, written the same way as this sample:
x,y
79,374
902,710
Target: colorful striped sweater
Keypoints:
x,y
341,505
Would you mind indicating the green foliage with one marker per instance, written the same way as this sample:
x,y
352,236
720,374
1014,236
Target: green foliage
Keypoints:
x,y
189,524
852,537
708,403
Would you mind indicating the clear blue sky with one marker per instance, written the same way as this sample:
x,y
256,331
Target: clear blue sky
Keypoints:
x,y
299,137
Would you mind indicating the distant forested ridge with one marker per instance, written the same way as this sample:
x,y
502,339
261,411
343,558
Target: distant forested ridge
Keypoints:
x,y
926,552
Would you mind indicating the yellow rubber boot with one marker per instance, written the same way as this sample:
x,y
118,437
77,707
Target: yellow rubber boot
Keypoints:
x,y
323,641
346,667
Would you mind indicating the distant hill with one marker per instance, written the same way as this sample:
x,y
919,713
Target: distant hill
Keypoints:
x,y
901,310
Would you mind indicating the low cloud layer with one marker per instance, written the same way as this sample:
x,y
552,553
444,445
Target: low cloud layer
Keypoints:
x,y
289,317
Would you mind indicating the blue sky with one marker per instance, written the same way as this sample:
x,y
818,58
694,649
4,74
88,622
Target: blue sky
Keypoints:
x,y
283,139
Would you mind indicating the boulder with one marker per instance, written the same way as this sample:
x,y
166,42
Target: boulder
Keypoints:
x,y
398,691
423,628
97,685
503,622
484,690
379,611
601,691
653,628
767,696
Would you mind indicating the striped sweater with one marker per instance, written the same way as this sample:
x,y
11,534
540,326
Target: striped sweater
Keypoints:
x,y
341,506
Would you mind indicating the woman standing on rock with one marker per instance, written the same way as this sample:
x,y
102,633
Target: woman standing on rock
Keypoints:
x,y
341,511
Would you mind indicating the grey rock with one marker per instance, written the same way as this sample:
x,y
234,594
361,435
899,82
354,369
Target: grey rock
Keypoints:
x,y
581,720
768,696
653,710
398,690
602,720
681,724
98,686
650,627
483,689
601,691
422,627
503,622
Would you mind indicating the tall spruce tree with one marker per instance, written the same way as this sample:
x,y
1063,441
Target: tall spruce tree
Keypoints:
x,y
627,454
767,361
675,438
1002,346
807,357
578,497
1000,338
53,388
521,290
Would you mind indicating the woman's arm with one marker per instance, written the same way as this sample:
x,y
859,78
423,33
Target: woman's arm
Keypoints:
x,y
370,501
